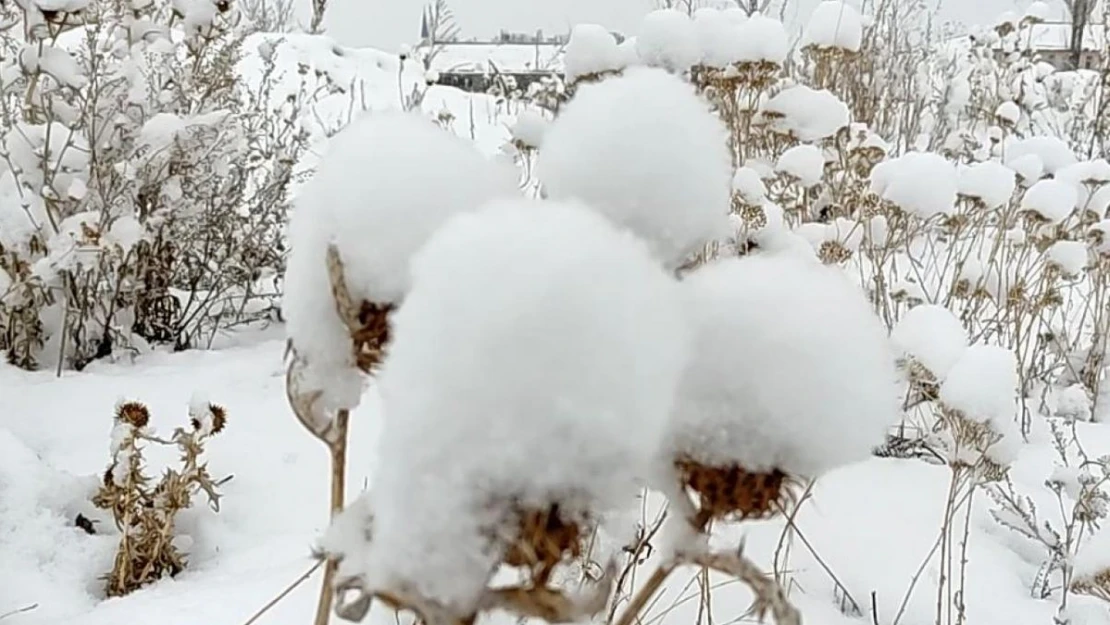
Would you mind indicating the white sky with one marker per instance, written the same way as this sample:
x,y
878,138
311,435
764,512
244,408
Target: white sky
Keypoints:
x,y
386,24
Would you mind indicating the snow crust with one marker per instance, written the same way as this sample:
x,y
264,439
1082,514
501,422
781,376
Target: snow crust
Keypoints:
x,y
667,168
791,368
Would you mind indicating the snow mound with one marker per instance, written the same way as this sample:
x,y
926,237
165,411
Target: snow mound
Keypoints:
x,y
933,336
646,151
1052,199
539,350
922,183
834,24
807,113
385,184
804,162
764,40
749,185
791,368
669,40
591,50
1053,152
719,38
991,182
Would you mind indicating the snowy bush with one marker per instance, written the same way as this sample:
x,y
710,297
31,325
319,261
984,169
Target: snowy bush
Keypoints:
x,y
144,181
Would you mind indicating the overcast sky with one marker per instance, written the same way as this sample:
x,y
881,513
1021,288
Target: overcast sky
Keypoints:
x,y
387,24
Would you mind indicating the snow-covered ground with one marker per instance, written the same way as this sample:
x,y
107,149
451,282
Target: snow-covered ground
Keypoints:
x,y
872,523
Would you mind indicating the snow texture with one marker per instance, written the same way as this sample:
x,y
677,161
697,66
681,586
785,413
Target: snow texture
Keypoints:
x,y
539,349
791,368
385,184
667,170
933,336
591,50
991,182
834,24
669,40
1008,111
807,113
921,183
804,162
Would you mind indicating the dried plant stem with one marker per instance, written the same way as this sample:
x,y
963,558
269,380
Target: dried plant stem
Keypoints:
x,y
17,611
632,613
284,593
338,449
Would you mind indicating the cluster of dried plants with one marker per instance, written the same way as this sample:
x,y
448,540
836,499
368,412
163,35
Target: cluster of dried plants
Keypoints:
x,y
145,179
145,511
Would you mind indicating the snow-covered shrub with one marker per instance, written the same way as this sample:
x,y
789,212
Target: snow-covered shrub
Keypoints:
x,y
539,348
663,153
144,511
791,373
156,214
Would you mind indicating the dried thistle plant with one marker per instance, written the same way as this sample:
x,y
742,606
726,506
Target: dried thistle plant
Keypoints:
x,y
146,512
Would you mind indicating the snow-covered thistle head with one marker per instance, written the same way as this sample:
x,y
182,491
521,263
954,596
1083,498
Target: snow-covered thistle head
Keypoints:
x,y
791,375
537,355
384,185
644,150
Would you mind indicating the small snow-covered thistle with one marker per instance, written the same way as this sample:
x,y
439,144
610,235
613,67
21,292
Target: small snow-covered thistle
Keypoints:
x,y
792,376
665,157
144,511
539,348
385,183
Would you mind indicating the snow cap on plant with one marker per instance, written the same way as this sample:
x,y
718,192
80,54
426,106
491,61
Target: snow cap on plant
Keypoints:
x,y
668,39
792,375
591,53
834,24
644,150
385,183
539,349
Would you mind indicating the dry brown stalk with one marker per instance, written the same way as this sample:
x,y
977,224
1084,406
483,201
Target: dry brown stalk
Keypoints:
x,y
368,326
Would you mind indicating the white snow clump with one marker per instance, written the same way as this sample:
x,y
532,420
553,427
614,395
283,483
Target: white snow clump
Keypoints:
x,y
669,40
667,170
991,182
385,183
591,50
807,113
1052,199
804,162
539,350
922,183
791,369
834,24
932,336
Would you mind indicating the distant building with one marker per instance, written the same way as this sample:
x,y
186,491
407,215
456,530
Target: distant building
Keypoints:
x,y
1051,42
476,66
